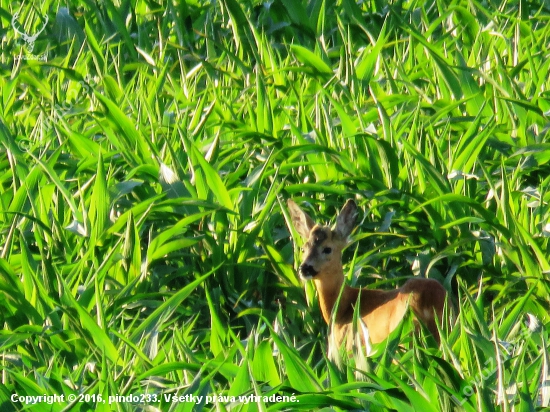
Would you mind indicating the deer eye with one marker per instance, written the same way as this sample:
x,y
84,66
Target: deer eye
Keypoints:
x,y
327,250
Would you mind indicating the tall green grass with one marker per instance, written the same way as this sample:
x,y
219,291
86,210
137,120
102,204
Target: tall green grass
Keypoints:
x,y
144,163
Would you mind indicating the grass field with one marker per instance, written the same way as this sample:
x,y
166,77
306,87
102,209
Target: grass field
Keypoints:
x,y
147,150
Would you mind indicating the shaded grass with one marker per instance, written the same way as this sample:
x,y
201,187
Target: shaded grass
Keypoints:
x,y
144,166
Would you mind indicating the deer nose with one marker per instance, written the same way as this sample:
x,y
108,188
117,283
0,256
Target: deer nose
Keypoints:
x,y
307,271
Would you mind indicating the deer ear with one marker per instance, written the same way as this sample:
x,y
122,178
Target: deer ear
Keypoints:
x,y
300,219
345,222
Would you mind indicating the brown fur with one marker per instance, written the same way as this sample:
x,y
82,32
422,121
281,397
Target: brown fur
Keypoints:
x,y
381,310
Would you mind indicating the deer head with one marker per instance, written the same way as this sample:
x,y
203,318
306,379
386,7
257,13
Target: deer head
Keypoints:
x,y
322,252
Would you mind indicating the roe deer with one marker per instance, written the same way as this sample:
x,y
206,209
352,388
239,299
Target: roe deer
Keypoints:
x,y
380,310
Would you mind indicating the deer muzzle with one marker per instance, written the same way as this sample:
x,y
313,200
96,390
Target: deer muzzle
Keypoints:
x,y
307,271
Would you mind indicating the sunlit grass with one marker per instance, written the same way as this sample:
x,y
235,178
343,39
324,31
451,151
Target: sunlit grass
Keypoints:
x,y
144,168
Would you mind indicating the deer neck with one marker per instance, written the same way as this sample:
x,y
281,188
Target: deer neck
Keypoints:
x,y
329,293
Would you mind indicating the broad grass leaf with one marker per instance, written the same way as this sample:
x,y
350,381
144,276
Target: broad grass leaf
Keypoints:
x,y
365,67
348,126
33,79
169,367
434,177
14,295
524,104
545,389
282,269
525,404
60,186
123,188
312,188
462,221
418,401
540,152
242,382
298,14
136,350
263,364
454,383
473,94
475,313
66,29
310,60
449,76
171,184
32,284
119,22
300,375
180,228
132,138
515,315
169,247
98,335
451,199
164,311
471,144
95,48
79,142
218,331
242,28
535,248
136,211
99,201
21,334
214,182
